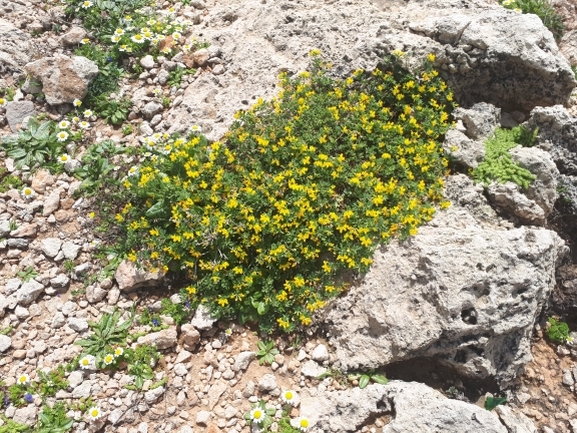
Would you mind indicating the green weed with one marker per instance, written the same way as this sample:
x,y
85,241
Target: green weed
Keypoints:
x,y
498,164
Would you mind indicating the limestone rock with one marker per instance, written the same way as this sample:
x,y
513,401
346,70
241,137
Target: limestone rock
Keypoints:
x,y
64,79
190,336
162,339
508,198
414,407
202,320
17,112
73,36
29,292
5,343
460,291
50,246
26,415
130,278
15,49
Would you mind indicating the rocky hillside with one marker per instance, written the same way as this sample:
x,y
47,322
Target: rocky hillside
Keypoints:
x,y
444,329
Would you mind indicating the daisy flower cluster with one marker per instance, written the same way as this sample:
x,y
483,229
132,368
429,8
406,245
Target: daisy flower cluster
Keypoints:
x,y
261,417
90,362
138,34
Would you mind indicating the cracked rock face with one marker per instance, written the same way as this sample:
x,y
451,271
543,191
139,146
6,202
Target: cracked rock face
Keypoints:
x,y
413,407
460,291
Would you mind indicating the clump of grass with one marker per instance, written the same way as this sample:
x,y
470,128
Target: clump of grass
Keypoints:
x,y
267,224
498,164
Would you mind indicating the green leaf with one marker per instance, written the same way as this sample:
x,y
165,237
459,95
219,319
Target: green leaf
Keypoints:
x,y
364,381
17,153
492,402
378,378
43,131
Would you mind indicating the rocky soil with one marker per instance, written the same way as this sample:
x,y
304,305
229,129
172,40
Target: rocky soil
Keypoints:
x,y
438,331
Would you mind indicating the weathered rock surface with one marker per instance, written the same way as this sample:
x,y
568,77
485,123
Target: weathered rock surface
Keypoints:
x,y
15,49
459,291
17,112
63,79
129,277
487,53
414,407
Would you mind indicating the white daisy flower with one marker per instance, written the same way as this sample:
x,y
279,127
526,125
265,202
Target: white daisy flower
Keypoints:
x,y
195,128
87,113
23,379
122,47
84,124
84,41
64,124
147,35
303,424
77,103
118,351
62,136
257,415
109,359
88,362
3,102
132,171
64,158
289,397
28,192
115,38
86,4
128,18
119,32
138,38
94,413
176,36
75,119
166,50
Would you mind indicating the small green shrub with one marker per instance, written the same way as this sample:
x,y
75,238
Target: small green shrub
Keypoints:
x,y
9,181
40,145
266,352
54,420
498,164
175,76
268,224
543,9
558,332
107,333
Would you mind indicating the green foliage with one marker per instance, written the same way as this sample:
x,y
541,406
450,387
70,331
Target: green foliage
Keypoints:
x,y
97,171
127,129
558,332
39,144
175,76
543,9
268,224
498,164
54,420
107,333
140,363
365,378
10,426
492,402
50,383
112,111
178,311
27,274
9,181
6,331
266,352
284,426
7,93
16,394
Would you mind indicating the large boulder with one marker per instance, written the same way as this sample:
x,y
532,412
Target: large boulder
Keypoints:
x,y
493,54
486,52
465,290
411,407
63,79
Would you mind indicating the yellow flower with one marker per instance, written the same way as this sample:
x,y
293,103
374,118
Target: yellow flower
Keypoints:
x,y
431,57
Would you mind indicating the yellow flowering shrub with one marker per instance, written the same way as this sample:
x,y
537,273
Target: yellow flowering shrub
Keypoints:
x,y
270,222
